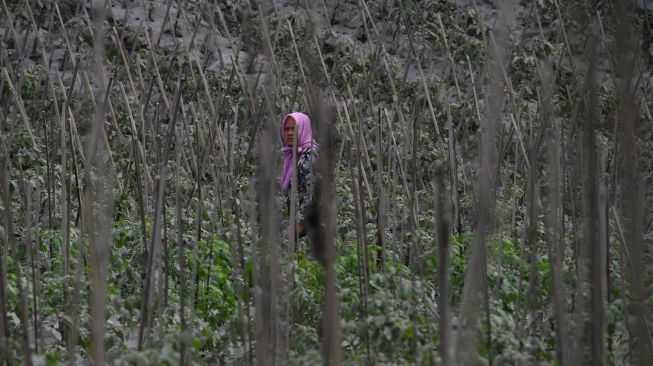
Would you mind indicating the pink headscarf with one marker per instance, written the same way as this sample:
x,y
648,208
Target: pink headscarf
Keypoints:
x,y
304,141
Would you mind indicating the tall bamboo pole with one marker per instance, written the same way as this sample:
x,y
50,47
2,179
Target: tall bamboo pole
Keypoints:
x,y
475,278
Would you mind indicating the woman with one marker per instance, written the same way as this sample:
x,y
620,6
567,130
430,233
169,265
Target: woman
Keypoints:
x,y
307,151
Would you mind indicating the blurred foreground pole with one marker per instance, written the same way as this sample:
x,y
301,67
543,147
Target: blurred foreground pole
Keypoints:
x,y
267,279
267,270
476,279
98,195
321,225
631,184
443,225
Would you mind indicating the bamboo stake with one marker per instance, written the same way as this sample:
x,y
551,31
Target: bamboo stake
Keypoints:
x,y
65,206
46,63
212,109
21,107
479,19
12,29
156,232
75,304
194,290
5,349
298,55
452,64
136,140
395,95
380,202
398,154
245,332
362,270
31,253
181,248
361,142
566,41
508,84
453,166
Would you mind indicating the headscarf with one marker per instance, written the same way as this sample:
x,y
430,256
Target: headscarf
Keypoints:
x,y
304,141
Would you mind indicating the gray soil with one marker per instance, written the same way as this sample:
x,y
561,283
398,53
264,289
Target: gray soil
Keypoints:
x,y
340,17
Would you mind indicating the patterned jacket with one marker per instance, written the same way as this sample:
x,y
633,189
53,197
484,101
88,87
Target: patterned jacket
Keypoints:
x,y
307,177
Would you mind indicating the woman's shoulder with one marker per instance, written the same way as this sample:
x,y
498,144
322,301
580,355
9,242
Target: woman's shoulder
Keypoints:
x,y
310,153
308,159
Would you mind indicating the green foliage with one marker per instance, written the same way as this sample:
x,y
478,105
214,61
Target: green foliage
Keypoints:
x,y
214,262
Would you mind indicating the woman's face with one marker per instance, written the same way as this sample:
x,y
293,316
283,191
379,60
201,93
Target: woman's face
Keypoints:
x,y
289,131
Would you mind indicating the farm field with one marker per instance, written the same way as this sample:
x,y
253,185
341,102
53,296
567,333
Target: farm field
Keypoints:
x,y
484,190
